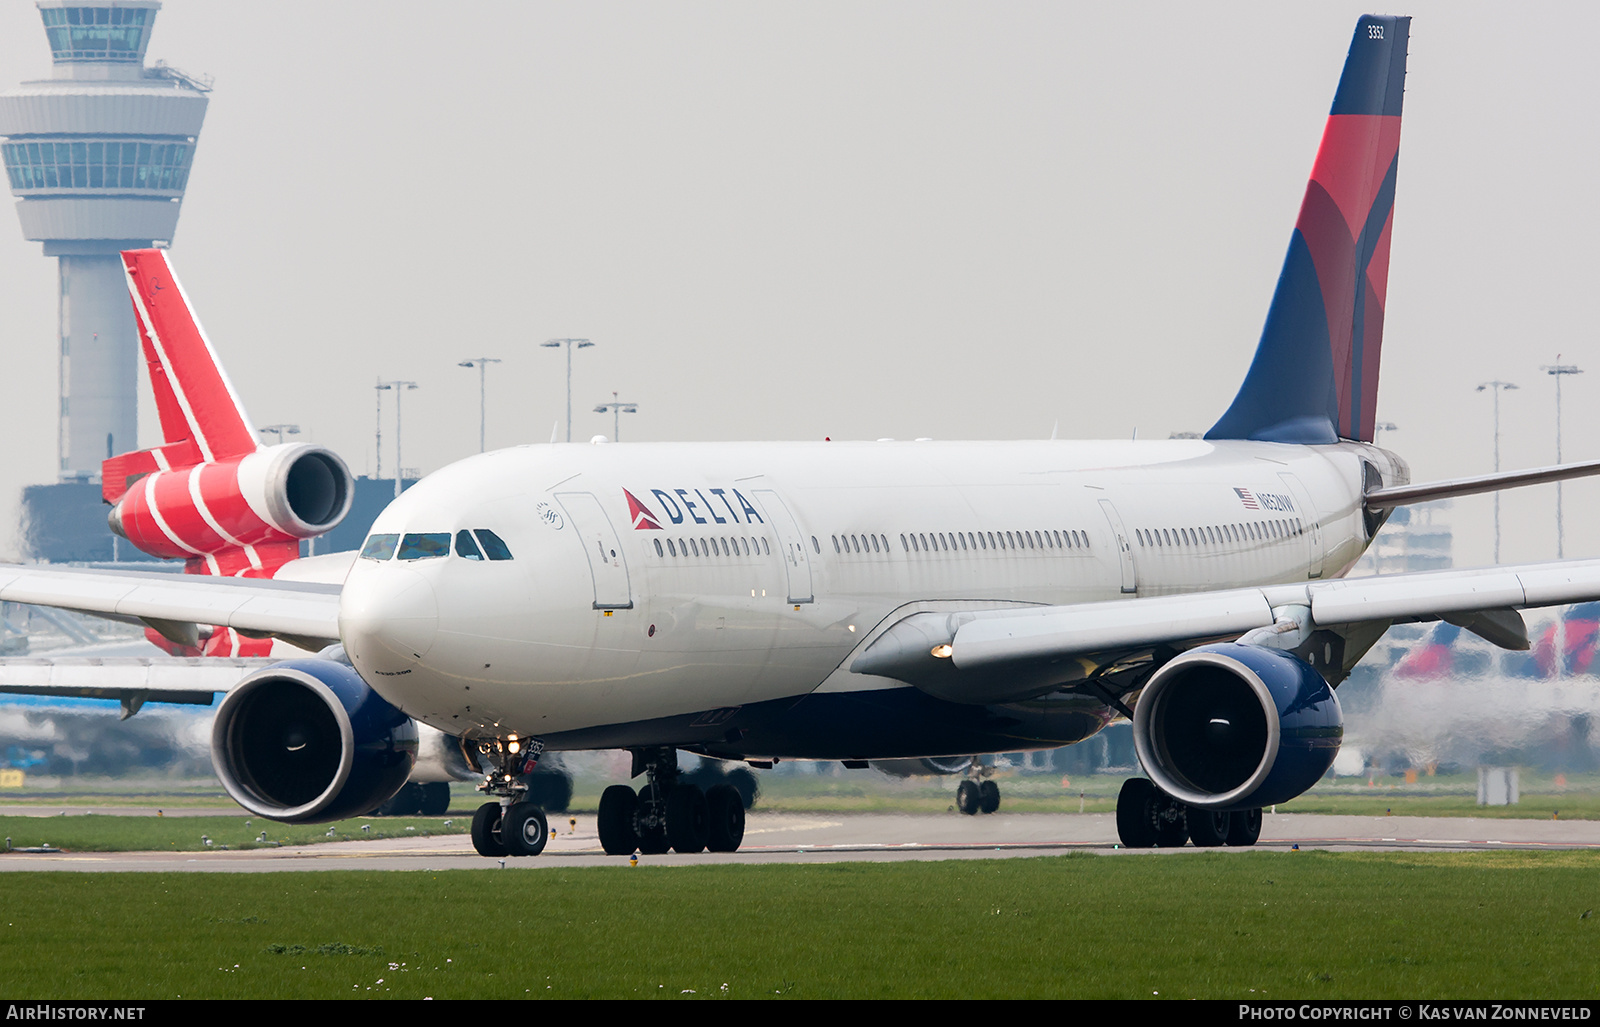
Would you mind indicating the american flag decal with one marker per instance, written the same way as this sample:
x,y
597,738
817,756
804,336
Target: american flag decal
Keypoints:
x,y
1248,499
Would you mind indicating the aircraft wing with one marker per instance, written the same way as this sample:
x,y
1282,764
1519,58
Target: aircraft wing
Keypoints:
x,y
304,613
1015,654
133,680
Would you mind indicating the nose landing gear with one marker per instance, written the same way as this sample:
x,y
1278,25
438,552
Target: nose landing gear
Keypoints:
x,y
510,826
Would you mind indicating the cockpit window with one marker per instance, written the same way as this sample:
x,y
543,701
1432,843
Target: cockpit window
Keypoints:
x,y
465,547
425,546
492,546
379,547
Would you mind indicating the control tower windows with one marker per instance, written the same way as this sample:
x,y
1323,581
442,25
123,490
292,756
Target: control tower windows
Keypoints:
x,y
98,164
96,33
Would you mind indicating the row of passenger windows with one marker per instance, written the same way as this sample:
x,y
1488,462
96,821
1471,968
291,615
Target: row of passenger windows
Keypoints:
x,y
955,541
430,545
1220,534
749,546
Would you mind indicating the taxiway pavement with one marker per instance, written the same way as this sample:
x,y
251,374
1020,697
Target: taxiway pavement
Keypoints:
x,y
814,838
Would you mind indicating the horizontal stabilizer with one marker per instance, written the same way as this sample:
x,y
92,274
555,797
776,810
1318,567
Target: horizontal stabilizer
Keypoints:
x,y
1406,495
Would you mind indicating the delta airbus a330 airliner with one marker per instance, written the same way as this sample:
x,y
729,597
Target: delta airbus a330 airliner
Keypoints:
x,y
849,601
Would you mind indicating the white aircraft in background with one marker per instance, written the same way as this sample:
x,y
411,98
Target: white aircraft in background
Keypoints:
x,y
849,601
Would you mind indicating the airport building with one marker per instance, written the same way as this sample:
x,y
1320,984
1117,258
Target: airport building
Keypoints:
x,y
98,157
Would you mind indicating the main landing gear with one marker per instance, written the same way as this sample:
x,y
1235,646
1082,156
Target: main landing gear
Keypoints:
x,y
669,812
977,794
510,826
1147,816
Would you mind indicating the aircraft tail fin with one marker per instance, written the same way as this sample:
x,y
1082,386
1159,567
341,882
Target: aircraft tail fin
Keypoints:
x,y
194,398
1314,378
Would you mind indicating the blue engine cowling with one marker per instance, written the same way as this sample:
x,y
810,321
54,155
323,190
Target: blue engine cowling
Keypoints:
x,y
1234,727
306,741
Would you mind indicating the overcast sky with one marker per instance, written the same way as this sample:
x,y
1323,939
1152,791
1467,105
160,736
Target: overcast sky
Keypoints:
x,y
857,220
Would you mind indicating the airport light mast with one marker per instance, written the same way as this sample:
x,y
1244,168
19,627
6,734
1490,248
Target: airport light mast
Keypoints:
x,y
617,409
398,388
98,157
1498,387
1558,370
570,344
482,364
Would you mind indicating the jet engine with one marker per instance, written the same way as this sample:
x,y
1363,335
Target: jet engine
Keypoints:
x,y
276,493
1236,727
306,742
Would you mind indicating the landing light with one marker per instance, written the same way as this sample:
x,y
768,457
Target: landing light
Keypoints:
x,y
942,651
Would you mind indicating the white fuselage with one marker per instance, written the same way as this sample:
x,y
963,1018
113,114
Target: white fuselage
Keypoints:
x,y
748,573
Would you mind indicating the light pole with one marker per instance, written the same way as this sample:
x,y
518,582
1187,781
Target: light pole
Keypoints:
x,y
398,388
280,430
1498,387
569,344
617,410
482,364
1557,370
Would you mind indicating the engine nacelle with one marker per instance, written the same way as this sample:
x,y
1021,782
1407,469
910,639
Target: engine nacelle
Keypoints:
x,y
306,742
275,494
1235,727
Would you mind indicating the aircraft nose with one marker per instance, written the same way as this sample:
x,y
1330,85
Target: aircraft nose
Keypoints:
x,y
387,614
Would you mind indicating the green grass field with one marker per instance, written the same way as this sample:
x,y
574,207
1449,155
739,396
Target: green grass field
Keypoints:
x,y
1193,925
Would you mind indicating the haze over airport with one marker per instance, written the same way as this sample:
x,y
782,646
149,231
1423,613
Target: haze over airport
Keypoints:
x,y
848,220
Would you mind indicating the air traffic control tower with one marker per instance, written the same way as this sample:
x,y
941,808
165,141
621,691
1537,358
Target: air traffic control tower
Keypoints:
x,y
98,156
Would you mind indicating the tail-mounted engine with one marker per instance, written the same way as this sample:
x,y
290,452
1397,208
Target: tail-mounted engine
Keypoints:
x,y
306,741
1236,727
275,494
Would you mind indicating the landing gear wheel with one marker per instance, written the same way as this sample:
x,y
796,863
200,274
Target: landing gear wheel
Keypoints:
x,y
1136,822
524,829
725,812
967,797
1244,827
1208,827
486,836
688,822
618,805
650,823
435,799
988,797
1172,822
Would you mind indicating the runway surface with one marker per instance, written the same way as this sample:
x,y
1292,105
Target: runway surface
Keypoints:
x,y
814,838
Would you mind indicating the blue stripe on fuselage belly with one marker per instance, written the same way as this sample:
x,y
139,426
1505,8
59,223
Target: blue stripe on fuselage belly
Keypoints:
x,y
890,723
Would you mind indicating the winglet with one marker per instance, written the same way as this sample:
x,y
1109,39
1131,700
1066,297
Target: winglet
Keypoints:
x,y
194,398
1314,378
